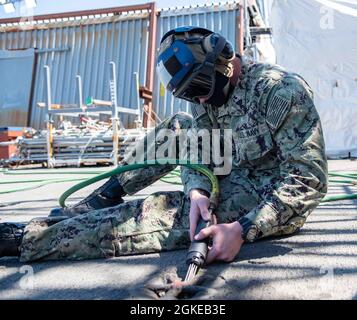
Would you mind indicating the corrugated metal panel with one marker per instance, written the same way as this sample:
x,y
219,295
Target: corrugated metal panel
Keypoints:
x,y
265,10
15,86
222,19
85,47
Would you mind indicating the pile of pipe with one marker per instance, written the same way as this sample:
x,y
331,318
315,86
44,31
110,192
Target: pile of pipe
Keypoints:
x,y
75,144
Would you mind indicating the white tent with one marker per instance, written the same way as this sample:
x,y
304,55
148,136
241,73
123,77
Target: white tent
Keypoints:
x,y
318,39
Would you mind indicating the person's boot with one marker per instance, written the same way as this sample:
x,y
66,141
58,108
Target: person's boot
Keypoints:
x,y
10,239
108,195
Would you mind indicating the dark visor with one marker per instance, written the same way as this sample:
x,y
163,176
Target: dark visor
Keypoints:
x,y
199,84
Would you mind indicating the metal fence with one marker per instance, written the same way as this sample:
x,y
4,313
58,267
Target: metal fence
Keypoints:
x,y
85,45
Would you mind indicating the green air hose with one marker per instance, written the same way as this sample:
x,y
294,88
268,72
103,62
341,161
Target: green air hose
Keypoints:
x,y
49,181
200,168
172,178
343,175
54,172
339,197
45,183
171,181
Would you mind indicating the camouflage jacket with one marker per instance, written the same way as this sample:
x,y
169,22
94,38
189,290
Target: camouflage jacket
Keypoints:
x,y
277,143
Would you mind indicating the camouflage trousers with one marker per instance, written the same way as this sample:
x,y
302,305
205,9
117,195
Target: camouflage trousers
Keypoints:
x,y
158,223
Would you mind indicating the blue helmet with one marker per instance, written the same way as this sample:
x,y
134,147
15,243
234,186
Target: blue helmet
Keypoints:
x,y
188,60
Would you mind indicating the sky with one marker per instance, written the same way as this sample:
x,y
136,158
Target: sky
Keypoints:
x,y
58,6
52,6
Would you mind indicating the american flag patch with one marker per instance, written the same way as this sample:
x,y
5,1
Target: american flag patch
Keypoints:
x,y
197,111
277,110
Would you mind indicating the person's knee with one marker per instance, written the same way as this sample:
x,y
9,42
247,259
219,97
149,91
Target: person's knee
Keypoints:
x,y
180,120
183,116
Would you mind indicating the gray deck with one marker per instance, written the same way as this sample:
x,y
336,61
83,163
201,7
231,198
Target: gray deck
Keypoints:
x,y
318,263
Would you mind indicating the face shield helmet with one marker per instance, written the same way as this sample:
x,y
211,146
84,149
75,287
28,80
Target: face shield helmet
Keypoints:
x,y
189,59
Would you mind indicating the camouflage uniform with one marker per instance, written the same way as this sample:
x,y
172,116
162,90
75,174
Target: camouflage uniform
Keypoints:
x,y
279,176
